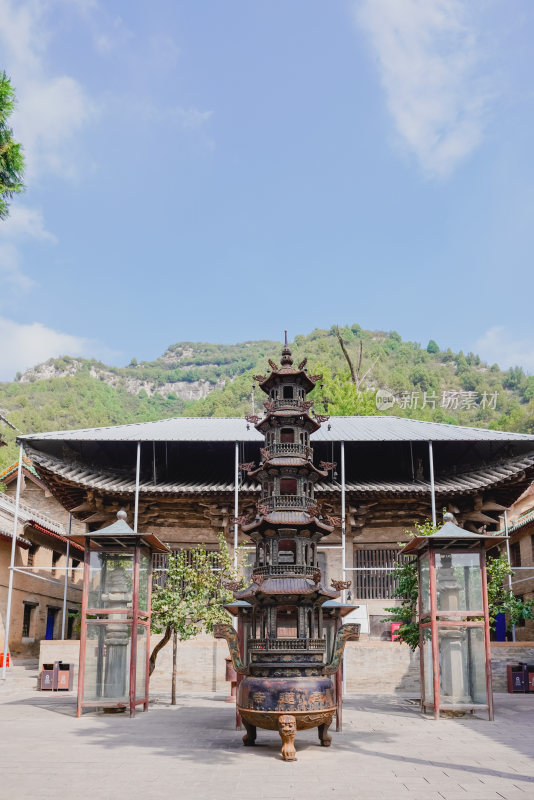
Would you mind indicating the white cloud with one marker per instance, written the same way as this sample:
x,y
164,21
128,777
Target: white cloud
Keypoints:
x,y
25,345
428,58
188,118
51,109
163,52
23,224
112,37
497,346
11,274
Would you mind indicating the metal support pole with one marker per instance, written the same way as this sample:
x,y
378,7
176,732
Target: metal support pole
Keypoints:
x,y
343,512
66,581
432,487
12,563
236,503
343,560
137,472
508,557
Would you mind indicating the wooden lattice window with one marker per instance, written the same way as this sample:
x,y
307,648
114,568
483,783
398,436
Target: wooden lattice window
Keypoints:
x,y
373,574
515,554
160,564
27,618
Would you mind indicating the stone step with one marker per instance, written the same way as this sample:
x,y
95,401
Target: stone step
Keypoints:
x,y
21,674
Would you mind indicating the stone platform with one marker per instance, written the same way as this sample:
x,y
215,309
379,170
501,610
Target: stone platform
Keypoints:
x,y
386,750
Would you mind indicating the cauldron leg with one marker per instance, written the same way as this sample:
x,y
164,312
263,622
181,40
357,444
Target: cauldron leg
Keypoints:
x,y
324,736
287,728
249,738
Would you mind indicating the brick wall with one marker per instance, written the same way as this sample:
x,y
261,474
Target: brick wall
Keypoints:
x,y
201,666
372,667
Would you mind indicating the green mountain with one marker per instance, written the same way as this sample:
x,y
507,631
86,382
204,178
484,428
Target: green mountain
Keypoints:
x,y
202,379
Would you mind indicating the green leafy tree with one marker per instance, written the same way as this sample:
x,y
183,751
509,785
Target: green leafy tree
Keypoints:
x,y
500,599
191,601
11,157
432,347
407,591
339,397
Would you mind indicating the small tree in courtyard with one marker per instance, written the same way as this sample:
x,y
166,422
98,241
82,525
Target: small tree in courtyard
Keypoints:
x,y
191,600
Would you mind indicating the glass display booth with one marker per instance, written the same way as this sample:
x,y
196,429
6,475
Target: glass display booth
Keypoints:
x,y
454,641
115,616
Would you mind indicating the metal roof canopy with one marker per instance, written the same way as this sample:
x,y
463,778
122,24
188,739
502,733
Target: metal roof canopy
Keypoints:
x,y
451,536
232,429
119,532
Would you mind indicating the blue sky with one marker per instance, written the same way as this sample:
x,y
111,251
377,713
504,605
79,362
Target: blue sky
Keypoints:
x,y
221,171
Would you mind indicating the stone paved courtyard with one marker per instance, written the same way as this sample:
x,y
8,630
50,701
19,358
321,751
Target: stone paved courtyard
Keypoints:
x,y
386,750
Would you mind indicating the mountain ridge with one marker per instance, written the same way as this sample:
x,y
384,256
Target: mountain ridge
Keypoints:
x,y
205,379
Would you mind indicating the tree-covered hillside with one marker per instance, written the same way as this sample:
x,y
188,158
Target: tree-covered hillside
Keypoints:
x,y
426,382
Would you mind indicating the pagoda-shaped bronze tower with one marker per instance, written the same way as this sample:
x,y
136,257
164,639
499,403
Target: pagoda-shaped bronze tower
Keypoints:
x,y
288,657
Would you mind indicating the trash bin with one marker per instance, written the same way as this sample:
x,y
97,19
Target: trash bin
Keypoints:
x,y
530,677
395,631
2,660
64,677
47,677
517,675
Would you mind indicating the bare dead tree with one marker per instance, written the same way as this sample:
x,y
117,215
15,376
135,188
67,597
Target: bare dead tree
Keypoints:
x,y
355,374
346,354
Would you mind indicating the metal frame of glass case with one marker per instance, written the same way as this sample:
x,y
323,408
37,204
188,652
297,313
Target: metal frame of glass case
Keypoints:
x,y
115,617
454,643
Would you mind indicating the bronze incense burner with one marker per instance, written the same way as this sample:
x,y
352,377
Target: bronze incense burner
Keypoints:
x,y
289,649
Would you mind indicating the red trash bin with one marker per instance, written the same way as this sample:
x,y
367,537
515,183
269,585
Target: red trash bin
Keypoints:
x,y
395,631
64,677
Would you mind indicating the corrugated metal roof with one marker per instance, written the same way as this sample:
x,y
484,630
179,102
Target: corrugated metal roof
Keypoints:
x,y
217,429
110,482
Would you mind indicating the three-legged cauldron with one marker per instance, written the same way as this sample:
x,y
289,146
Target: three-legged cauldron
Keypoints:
x,y
287,704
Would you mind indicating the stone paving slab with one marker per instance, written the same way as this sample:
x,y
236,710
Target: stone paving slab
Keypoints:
x,y
386,750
